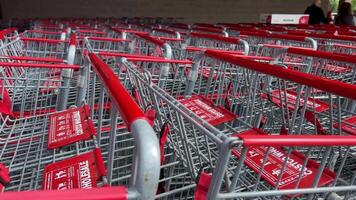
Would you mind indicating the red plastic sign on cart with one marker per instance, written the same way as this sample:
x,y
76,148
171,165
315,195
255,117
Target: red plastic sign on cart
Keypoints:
x,y
291,96
348,125
207,111
70,126
274,164
77,172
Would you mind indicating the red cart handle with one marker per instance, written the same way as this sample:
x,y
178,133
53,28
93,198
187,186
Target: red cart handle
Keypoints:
x,y
206,29
332,86
104,193
322,54
297,140
151,39
216,37
129,110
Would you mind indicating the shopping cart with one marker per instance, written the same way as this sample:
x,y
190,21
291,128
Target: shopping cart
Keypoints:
x,y
261,158
200,146
324,64
39,155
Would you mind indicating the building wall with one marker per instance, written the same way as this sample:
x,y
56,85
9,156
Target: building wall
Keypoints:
x,y
189,10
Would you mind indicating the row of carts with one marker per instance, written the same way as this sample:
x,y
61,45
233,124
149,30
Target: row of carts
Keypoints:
x,y
110,109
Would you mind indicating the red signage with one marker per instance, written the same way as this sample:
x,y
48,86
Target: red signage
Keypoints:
x,y
291,96
276,160
336,69
348,125
77,172
207,111
70,126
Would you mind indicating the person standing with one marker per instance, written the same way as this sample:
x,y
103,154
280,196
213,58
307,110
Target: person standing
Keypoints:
x,y
316,14
344,15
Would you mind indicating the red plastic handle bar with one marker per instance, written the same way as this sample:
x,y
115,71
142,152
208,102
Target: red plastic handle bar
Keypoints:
x,y
29,58
54,41
287,37
332,86
104,193
127,107
151,39
205,29
297,140
135,57
108,39
215,37
39,65
327,36
322,54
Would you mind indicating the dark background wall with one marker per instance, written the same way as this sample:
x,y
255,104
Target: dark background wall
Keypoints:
x,y
189,10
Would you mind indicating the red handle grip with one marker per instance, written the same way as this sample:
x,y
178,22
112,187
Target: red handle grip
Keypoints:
x,y
332,86
215,37
322,54
104,193
151,39
205,29
297,140
127,107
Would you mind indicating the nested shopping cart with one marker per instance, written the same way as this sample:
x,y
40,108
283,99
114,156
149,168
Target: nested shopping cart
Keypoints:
x,y
202,41
62,150
270,151
255,39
